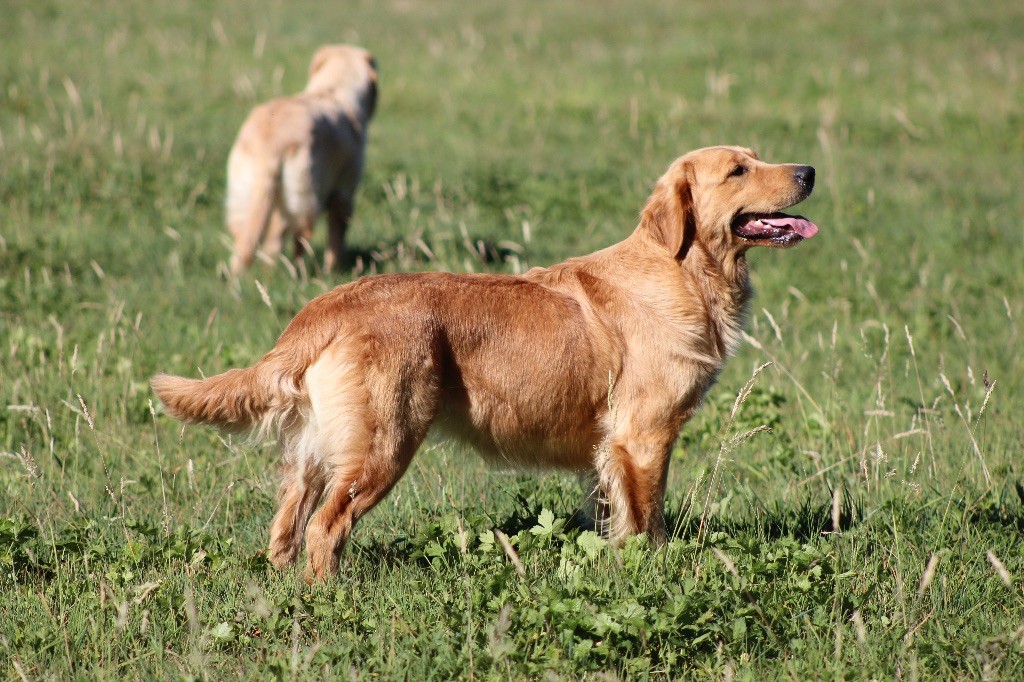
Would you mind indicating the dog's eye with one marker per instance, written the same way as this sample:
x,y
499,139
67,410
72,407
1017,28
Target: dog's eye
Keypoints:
x,y
738,171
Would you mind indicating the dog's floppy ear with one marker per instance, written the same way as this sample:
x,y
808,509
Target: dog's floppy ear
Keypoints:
x,y
318,60
668,215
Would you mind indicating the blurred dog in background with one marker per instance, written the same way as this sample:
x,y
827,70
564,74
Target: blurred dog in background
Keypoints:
x,y
297,156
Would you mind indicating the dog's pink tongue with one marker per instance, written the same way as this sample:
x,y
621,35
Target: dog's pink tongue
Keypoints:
x,y
802,226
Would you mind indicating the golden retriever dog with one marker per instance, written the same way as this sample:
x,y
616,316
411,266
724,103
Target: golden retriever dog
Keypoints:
x,y
592,365
297,156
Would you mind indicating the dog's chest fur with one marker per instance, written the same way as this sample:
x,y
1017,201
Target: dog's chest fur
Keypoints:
x,y
686,317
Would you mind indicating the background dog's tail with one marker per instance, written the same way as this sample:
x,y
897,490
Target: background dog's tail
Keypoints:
x,y
252,191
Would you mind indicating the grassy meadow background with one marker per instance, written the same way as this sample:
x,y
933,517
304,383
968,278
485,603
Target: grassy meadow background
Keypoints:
x,y
873,532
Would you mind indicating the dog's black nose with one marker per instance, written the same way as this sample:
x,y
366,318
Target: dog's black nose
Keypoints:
x,y
804,176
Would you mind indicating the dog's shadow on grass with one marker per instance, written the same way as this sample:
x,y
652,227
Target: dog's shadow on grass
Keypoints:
x,y
803,523
407,549
419,251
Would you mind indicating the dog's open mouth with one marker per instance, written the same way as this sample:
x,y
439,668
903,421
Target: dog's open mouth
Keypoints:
x,y
773,229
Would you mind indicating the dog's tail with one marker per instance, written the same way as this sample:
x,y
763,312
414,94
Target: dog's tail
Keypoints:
x,y
253,187
237,400
258,398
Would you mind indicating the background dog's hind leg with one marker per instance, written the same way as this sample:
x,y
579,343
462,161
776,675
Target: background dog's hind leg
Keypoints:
x,y
303,234
278,228
252,194
339,212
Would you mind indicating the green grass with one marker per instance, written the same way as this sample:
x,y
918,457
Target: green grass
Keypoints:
x,y
510,135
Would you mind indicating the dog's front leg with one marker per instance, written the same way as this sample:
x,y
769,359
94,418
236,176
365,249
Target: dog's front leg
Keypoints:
x,y
632,477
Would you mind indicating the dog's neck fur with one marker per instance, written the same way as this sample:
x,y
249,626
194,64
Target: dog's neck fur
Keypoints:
x,y
725,313
716,273
700,338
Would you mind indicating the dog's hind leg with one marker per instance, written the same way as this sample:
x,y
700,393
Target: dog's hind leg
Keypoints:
x,y
339,212
349,500
398,396
300,198
301,490
278,228
303,235
252,193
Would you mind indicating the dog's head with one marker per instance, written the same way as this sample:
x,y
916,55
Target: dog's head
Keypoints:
x,y
345,68
728,200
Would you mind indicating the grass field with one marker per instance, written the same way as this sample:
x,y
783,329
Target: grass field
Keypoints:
x,y
874,532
